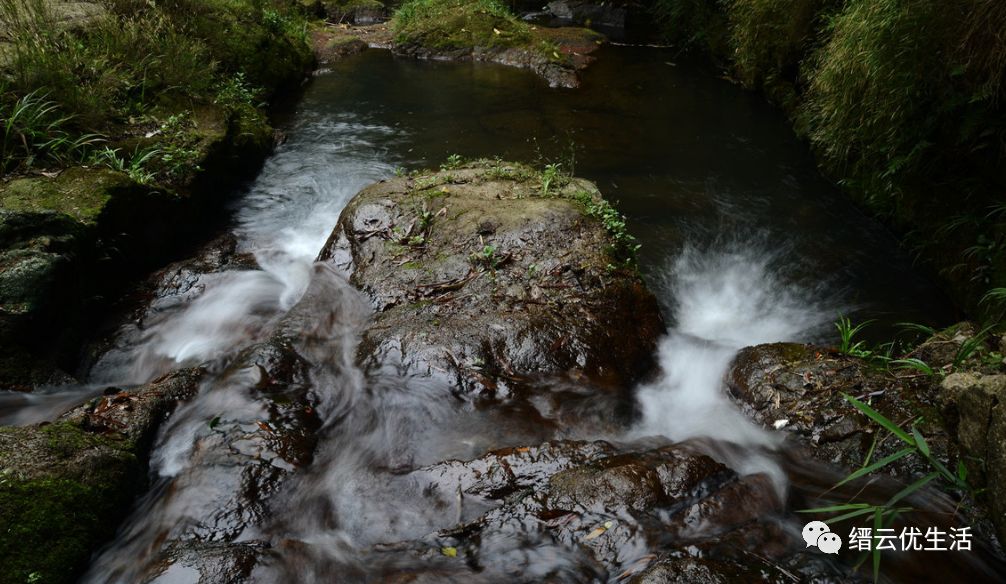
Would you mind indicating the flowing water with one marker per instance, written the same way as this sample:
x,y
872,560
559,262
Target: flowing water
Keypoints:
x,y
743,243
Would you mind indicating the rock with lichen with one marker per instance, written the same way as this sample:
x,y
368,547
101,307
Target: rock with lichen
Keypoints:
x,y
491,275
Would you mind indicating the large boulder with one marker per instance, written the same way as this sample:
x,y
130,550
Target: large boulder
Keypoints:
x,y
491,276
37,254
64,486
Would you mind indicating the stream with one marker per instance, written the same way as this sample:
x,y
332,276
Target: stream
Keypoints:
x,y
742,242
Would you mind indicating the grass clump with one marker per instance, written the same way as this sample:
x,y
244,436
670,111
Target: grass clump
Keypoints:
x,y
458,24
67,80
34,129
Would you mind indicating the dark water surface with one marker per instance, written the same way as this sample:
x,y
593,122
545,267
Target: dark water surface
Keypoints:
x,y
688,157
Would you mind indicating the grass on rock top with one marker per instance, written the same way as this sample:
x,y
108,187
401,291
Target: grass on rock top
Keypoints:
x,y
458,24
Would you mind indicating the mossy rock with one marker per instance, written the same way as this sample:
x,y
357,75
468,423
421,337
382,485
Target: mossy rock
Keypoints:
x,y
38,253
78,192
496,275
65,486
458,24
62,490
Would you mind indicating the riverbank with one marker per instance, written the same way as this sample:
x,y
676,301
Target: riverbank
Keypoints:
x,y
127,126
901,102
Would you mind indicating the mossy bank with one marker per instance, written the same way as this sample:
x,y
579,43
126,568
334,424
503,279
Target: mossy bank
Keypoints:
x,y
126,125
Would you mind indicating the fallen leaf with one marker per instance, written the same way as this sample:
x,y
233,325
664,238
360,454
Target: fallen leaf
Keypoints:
x,y
450,552
599,531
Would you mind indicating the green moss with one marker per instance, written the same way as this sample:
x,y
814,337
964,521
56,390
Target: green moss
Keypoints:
x,y
49,527
63,491
458,24
65,439
78,192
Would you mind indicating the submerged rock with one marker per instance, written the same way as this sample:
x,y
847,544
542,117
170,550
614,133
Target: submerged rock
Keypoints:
x,y
490,278
65,486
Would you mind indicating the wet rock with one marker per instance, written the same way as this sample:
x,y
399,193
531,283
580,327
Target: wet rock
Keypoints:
x,y
331,44
37,252
799,388
940,350
133,416
253,428
975,405
249,450
490,310
555,54
603,510
65,486
569,52
688,571
208,563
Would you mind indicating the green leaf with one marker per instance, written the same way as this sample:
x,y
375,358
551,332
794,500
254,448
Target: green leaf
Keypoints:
x,y
879,464
920,442
913,487
834,508
851,514
880,419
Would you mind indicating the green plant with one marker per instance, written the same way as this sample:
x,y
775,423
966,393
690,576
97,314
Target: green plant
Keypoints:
x,y
884,514
549,177
915,365
969,347
847,333
34,131
486,257
235,91
624,246
453,161
179,162
137,166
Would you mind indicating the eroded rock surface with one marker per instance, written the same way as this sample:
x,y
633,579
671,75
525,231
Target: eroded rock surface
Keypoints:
x,y
799,388
478,278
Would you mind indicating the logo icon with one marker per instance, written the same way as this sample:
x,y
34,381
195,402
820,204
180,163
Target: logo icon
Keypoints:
x,y
818,534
